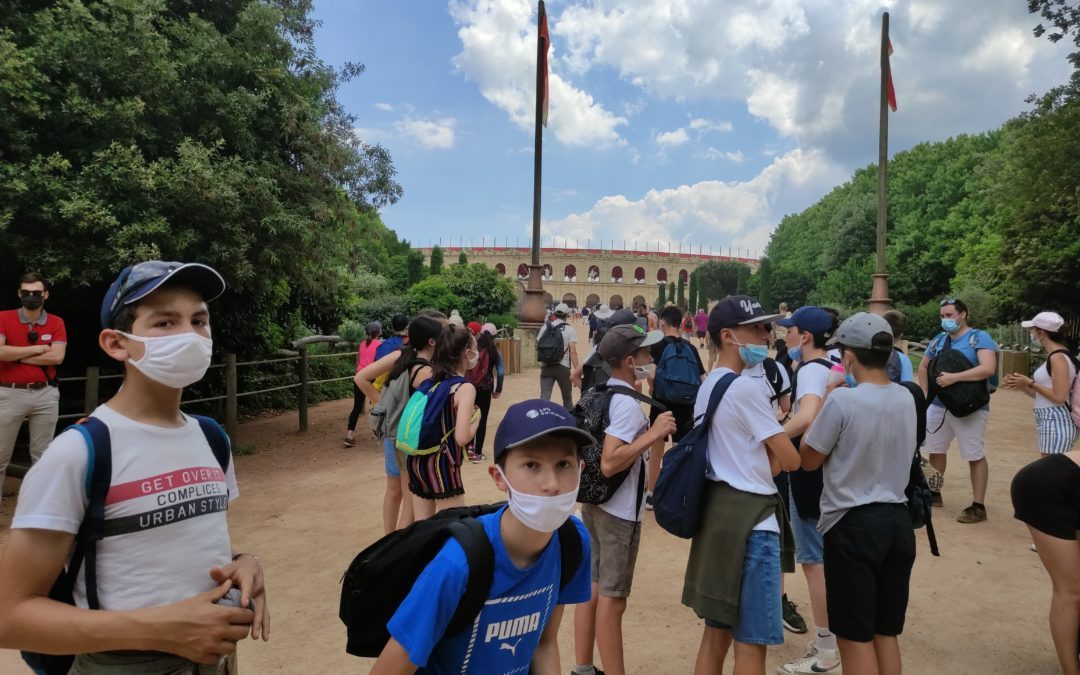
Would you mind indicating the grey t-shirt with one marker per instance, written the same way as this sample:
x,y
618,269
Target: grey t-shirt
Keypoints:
x,y
868,436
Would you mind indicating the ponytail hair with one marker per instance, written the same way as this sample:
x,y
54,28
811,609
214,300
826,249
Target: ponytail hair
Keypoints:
x,y
422,329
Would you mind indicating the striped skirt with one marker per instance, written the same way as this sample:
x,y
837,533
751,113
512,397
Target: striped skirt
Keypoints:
x,y
1055,430
438,475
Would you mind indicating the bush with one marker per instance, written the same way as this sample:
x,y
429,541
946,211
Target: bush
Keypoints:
x,y
503,320
481,290
434,293
924,321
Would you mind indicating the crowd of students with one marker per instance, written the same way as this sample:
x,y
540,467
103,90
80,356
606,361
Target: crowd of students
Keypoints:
x,y
809,459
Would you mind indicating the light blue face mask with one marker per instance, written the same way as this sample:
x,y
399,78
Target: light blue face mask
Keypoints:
x,y
752,354
850,379
795,353
1035,341
950,325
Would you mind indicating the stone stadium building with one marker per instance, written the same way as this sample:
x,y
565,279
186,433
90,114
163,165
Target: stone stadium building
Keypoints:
x,y
584,276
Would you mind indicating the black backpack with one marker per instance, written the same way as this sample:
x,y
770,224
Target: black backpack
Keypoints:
x,y
382,575
593,372
550,349
962,398
919,496
94,526
775,378
592,413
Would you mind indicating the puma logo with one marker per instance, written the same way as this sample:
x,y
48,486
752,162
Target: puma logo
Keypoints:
x,y
511,628
511,648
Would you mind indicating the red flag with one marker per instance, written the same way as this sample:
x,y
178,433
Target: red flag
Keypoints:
x,y
892,92
545,45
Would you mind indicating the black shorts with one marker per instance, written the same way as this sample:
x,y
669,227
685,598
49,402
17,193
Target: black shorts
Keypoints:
x,y
684,419
1046,496
868,558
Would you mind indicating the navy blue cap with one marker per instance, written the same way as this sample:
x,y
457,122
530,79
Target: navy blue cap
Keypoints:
x,y
140,280
529,420
810,319
737,310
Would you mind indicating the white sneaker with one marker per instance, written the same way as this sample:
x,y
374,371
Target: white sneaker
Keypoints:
x,y
824,661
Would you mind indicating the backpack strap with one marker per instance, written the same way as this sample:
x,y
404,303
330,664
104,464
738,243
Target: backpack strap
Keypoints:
x,y
772,374
91,530
920,435
571,550
1075,361
480,556
217,438
635,394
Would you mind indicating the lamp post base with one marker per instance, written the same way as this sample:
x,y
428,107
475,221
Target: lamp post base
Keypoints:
x,y
880,302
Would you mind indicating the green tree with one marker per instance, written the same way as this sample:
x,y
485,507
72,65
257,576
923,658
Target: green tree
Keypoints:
x,y
434,293
414,267
1064,20
661,299
186,131
762,282
681,301
462,259
436,263
482,291
671,292
691,300
719,279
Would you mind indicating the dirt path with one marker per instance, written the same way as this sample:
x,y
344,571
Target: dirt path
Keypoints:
x,y
307,505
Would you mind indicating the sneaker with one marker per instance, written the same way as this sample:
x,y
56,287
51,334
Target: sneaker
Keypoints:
x,y
793,621
350,442
648,502
477,458
593,671
935,499
972,514
814,661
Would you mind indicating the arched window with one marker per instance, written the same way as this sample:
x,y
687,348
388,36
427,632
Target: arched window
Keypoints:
x,y
639,275
661,276
615,302
616,275
570,299
593,300
523,271
501,269
594,273
639,300
683,276
570,274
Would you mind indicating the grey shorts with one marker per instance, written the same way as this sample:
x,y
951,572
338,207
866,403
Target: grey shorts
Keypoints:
x,y
147,663
614,550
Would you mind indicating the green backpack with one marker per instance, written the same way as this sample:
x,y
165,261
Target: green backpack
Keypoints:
x,y
427,420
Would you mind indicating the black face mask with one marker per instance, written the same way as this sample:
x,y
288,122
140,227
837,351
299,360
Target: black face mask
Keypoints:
x,y
32,302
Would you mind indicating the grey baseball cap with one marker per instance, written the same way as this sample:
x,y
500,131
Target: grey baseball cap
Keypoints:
x,y
622,341
864,331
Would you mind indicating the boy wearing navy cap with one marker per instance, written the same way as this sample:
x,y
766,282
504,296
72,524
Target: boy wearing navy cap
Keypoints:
x,y
169,592
538,463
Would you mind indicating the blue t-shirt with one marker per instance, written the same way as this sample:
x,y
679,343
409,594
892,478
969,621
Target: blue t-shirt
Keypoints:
x,y
963,344
504,637
907,373
389,346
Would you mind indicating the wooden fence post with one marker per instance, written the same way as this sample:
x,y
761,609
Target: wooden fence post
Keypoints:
x,y
90,393
230,396
302,393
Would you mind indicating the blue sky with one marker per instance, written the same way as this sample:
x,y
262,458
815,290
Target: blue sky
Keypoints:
x,y
674,121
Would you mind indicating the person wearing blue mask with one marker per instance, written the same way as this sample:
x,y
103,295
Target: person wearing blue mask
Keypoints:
x,y
809,331
744,541
941,425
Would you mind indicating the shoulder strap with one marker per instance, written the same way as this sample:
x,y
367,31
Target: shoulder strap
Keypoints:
x,y
571,550
635,394
1068,355
718,394
772,374
470,534
91,530
218,440
920,411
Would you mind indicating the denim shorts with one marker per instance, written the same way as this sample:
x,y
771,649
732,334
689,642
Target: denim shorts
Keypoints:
x,y
809,544
389,459
759,595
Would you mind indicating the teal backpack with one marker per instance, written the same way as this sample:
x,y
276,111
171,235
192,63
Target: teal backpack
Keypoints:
x,y
427,420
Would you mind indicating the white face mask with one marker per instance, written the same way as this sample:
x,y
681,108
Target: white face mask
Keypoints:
x,y
543,514
643,372
174,360
474,360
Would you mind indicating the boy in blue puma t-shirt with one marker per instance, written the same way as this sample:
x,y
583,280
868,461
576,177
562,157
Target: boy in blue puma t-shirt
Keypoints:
x,y
538,462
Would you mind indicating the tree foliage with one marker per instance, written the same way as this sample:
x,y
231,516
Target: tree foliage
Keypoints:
x,y
435,265
462,259
681,290
482,290
719,279
187,130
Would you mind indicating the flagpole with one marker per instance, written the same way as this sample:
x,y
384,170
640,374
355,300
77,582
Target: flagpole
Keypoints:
x,y
533,307
879,295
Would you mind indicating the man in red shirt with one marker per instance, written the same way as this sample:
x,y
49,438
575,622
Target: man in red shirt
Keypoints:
x,y
32,344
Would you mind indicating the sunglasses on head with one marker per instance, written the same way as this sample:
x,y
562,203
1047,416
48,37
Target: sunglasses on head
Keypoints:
x,y
23,293
947,301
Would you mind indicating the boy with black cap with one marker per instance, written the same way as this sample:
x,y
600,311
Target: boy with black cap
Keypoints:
x,y
743,541
866,437
165,567
615,525
538,463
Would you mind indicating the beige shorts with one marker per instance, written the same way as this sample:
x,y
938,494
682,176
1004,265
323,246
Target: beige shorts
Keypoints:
x,y
969,431
614,550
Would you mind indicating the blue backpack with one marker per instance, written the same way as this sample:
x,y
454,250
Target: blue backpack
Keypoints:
x,y
427,420
93,527
679,490
677,375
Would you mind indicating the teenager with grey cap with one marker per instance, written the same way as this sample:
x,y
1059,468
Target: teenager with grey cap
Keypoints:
x,y
615,525
865,437
552,373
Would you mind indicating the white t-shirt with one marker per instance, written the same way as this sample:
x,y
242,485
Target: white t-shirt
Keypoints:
x,y
757,374
737,454
166,504
569,337
627,422
1045,379
810,378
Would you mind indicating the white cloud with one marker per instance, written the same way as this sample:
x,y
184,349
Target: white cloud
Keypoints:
x,y
433,134
732,156
672,138
702,125
386,107
709,213
498,53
